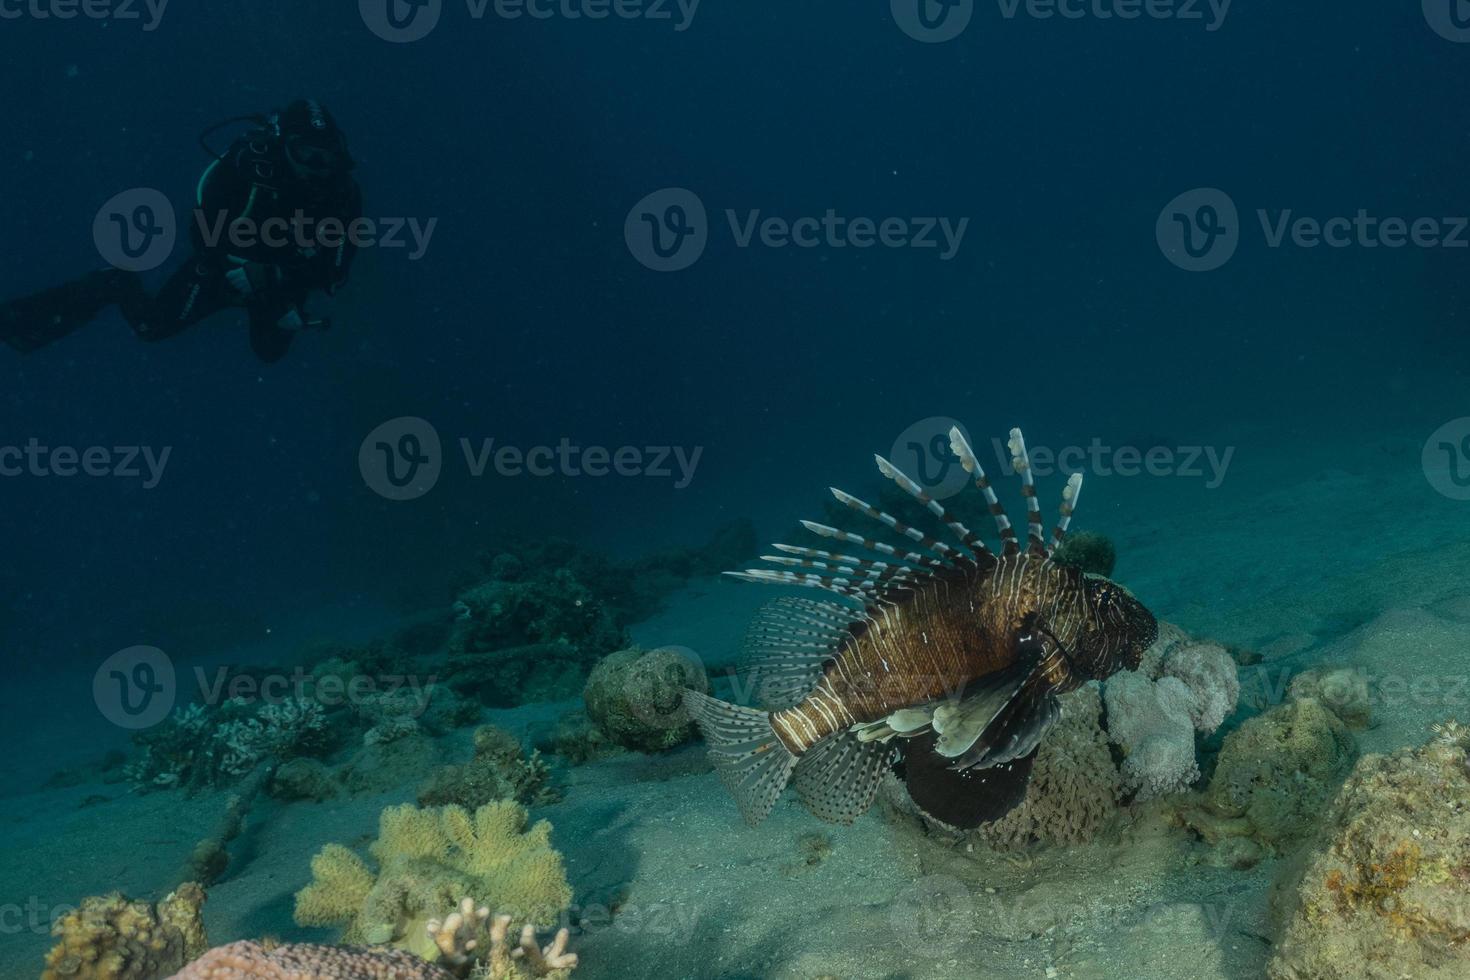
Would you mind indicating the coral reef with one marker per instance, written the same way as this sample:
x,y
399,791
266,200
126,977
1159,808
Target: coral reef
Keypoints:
x,y
498,771
636,697
1343,690
426,860
1154,721
113,938
1274,774
199,747
1089,551
1386,891
1075,787
459,939
577,741
261,961
303,779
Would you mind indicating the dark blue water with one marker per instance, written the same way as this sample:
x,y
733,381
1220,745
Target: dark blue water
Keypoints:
x,y
528,320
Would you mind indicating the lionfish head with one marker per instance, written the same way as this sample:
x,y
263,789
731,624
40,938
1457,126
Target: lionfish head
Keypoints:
x,y
1122,627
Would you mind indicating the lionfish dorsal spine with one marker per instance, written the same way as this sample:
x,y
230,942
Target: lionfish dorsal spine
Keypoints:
x,y
961,447
1021,463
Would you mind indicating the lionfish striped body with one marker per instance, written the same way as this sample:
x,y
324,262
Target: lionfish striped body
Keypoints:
x,y
954,651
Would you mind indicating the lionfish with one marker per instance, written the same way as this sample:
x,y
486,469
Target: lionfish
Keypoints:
x,y
952,652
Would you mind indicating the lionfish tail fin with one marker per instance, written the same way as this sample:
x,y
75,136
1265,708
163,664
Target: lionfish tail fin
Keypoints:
x,y
752,762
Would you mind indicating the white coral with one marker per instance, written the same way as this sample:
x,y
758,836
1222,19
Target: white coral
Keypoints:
x,y
1209,672
1152,722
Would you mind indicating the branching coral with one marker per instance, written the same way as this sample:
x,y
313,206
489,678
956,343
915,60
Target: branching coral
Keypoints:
x,y
458,939
426,859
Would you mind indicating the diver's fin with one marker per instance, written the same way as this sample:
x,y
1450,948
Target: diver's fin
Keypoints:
x,y
839,777
752,762
38,320
969,797
1003,715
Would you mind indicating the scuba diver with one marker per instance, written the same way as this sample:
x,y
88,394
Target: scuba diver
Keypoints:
x,y
293,170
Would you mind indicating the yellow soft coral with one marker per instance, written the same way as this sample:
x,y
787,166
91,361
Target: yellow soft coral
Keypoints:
x,y
427,859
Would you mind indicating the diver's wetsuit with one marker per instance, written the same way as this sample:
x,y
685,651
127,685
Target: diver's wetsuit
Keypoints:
x,y
253,180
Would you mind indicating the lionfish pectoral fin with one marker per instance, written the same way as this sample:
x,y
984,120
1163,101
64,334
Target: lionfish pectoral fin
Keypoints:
x,y
1004,715
962,799
903,723
838,778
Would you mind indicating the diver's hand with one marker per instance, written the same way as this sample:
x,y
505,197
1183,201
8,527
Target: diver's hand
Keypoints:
x,y
248,278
